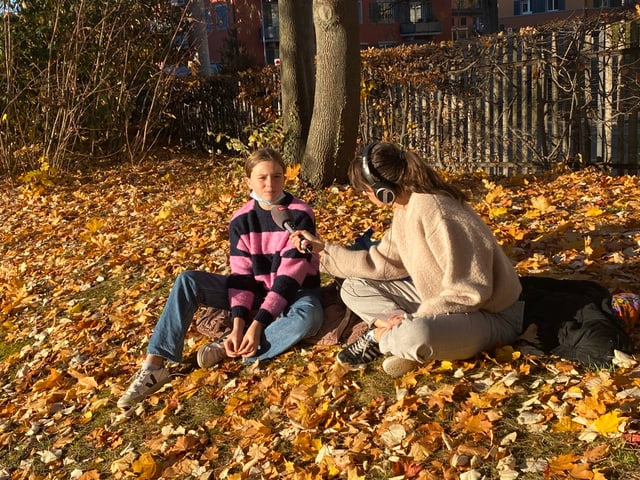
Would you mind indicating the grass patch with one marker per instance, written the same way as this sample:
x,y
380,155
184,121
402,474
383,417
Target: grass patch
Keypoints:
x,y
11,347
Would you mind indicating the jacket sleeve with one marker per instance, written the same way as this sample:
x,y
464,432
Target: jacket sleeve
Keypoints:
x,y
379,262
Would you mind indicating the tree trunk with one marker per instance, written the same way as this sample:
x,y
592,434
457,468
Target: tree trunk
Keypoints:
x,y
199,37
489,16
334,125
297,74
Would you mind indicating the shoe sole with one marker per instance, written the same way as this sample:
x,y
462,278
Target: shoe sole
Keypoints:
x,y
350,367
398,369
200,360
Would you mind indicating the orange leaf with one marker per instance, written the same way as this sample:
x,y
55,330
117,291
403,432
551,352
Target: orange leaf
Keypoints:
x,y
562,463
581,471
292,172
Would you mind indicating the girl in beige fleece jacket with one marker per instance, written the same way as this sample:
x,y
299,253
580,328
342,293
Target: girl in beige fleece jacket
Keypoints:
x,y
438,285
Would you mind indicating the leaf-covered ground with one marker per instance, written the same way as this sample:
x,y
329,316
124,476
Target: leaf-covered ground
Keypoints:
x,y
85,267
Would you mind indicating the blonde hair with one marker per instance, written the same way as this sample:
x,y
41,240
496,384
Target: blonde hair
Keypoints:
x,y
262,155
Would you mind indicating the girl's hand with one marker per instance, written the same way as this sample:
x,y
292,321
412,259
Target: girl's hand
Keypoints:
x,y
317,244
390,322
234,340
395,320
251,340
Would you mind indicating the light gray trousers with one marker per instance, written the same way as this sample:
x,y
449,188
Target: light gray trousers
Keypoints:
x,y
453,336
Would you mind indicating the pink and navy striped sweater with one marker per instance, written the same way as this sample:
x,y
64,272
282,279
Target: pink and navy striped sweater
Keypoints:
x,y
265,264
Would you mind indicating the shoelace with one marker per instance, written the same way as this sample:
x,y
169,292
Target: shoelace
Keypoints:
x,y
139,377
360,346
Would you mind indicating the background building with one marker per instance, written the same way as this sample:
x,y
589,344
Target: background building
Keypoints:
x,y
253,26
516,14
246,32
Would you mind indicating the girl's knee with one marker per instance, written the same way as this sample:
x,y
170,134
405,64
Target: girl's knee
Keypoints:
x,y
186,277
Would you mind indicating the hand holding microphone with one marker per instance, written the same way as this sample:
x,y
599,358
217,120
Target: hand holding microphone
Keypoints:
x,y
283,218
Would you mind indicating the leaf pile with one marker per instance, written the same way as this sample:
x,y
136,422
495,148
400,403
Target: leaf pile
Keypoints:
x,y
85,268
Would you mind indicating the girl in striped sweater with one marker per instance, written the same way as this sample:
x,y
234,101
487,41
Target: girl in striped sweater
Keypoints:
x,y
273,292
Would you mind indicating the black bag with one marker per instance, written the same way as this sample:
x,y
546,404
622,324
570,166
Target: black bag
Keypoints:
x,y
574,319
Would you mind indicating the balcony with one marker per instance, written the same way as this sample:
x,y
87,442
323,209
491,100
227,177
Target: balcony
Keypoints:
x,y
433,27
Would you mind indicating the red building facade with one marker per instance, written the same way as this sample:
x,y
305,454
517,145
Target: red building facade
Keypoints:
x,y
383,23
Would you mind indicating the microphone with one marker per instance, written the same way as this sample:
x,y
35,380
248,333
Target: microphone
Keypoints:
x,y
283,218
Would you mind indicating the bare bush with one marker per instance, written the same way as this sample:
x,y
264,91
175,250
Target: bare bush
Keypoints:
x,y
83,81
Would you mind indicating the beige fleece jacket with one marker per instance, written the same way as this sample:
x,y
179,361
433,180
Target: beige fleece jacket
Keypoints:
x,y
448,251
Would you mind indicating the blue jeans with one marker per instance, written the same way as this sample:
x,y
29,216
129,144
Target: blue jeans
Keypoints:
x,y
194,288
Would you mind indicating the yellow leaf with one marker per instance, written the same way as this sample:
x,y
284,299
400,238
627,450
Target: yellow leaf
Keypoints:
x,y
164,213
541,203
146,466
566,424
497,212
86,417
352,474
507,354
75,309
9,326
446,366
94,224
593,212
596,472
609,422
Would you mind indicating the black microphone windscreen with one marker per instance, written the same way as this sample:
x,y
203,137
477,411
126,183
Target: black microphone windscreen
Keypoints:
x,y
281,215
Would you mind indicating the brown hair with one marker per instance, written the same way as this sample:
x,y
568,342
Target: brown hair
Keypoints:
x,y
405,169
262,155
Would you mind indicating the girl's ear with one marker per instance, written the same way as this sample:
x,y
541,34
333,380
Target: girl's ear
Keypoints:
x,y
247,180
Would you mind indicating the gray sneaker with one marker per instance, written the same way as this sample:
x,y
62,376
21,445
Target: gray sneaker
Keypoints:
x,y
144,383
396,366
210,354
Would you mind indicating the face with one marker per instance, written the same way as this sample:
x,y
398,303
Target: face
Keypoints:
x,y
267,180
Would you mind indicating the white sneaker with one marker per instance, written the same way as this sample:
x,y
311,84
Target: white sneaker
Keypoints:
x,y
144,383
396,366
210,354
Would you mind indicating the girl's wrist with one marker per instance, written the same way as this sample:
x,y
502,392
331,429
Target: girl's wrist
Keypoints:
x,y
238,323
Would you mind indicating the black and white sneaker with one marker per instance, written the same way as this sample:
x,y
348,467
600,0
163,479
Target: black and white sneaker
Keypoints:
x,y
358,354
144,383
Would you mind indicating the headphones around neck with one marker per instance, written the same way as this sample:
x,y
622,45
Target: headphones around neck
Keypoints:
x,y
384,190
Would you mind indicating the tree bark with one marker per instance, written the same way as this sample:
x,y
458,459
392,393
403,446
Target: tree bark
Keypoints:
x,y
199,37
489,16
297,74
334,126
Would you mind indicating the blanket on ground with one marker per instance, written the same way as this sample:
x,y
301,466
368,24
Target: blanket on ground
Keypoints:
x,y
574,319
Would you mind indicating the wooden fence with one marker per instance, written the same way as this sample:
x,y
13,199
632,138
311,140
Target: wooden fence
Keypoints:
x,y
520,102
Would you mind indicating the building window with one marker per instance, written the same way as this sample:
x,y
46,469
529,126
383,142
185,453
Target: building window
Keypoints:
x,y
222,19
463,21
459,34
525,7
382,12
416,12
552,5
